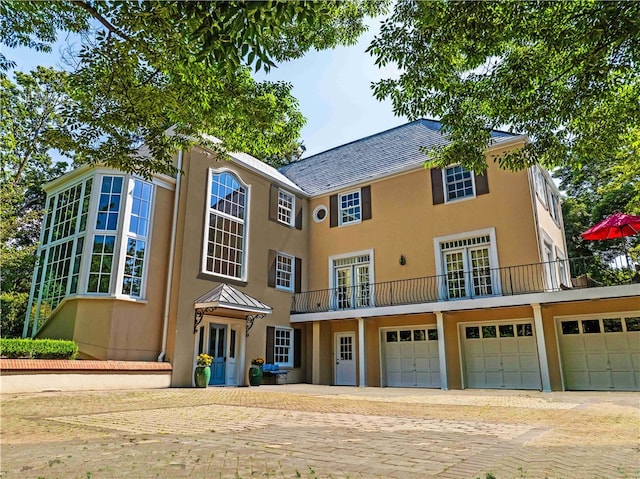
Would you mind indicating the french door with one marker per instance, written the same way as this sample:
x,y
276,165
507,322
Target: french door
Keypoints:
x,y
352,286
468,272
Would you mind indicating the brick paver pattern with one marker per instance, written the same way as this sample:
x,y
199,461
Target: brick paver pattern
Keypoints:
x,y
319,432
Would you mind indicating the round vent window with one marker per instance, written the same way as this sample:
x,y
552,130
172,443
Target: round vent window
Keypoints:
x,y
320,213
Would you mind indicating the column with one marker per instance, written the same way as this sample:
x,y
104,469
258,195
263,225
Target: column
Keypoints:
x,y
315,351
361,354
444,385
542,349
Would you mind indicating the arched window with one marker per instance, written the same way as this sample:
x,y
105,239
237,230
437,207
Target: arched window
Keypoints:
x,y
226,226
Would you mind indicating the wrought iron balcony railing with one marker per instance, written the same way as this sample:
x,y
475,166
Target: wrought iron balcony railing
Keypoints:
x,y
478,283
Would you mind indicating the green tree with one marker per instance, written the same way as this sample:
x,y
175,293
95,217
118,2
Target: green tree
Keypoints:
x,y
145,69
567,74
30,110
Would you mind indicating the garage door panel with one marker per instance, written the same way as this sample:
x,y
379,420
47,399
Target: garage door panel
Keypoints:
x,y
511,363
620,361
494,379
634,341
594,341
623,380
474,346
635,361
577,380
393,378
475,364
406,364
508,346
576,361
421,348
392,350
393,364
492,363
406,349
422,364
491,346
600,379
527,345
597,361
407,378
616,342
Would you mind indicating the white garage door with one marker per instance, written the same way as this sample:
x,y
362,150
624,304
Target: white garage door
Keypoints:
x,y
411,357
601,354
501,355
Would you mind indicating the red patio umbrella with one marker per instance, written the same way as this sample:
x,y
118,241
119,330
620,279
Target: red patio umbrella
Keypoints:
x,y
618,225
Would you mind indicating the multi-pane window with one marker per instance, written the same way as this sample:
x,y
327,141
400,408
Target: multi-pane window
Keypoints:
x,y
109,203
458,182
284,271
57,270
70,223
286,207
283,347
101,264
467,267
137,239
350,207
225,240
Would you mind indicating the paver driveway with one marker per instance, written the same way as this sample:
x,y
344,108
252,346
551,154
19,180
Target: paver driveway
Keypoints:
x,y
320,431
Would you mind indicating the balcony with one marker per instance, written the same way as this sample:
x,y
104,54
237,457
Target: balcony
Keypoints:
x,y
576,273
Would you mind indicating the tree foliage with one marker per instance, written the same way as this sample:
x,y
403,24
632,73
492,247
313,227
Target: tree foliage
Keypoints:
x,y
145,69
565,73
30,113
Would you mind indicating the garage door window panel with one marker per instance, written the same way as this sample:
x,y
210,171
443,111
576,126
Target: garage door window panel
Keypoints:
x,y
488,332
472,332
633,324
506,331
591,326
612,325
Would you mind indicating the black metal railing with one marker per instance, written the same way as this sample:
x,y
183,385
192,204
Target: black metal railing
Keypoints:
x,y
551,276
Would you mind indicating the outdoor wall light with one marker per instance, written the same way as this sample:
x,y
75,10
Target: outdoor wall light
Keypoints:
x,y
403,260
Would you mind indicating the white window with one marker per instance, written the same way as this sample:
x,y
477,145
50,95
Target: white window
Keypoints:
x,y
350,208
458,183
285,271
137,238
286,208
283,347
225,230
352,280
468,265
541,185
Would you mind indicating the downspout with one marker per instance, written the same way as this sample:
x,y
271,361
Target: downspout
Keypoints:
x,y
174,227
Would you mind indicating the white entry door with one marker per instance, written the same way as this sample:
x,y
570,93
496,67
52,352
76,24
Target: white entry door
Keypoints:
x,y
411,357
345,359
600,354
500,355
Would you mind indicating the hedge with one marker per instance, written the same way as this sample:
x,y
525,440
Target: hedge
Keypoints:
x,y
38,348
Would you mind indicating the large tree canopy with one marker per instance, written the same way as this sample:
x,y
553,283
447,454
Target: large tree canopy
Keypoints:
x,y
565,73
147,68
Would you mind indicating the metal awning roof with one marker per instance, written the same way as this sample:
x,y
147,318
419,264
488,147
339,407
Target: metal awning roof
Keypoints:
x,y
228,297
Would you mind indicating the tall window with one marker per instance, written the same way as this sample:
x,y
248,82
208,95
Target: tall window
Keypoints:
x,y
226,226
458,182
56,272
71,225
103,249
284,271
283,347
350,207
137,237
286,207
467,267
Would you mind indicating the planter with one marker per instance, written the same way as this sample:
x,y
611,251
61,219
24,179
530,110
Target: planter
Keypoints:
x,y
255,375
201,376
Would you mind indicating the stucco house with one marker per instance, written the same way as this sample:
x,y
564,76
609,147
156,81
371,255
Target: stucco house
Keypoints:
x,y
355,266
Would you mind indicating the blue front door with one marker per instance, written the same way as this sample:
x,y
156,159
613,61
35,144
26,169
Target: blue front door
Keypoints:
x,y
217,348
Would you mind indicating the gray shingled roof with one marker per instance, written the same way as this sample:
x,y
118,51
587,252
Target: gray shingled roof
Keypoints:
x,y
372,157
225,296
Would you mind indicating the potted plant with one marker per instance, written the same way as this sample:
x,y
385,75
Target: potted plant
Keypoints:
x,y
202,374
255,372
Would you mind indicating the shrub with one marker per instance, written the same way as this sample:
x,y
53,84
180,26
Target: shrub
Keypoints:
x,y
38,348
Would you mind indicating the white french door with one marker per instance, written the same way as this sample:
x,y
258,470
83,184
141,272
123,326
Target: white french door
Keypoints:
x,y
468,272
352,283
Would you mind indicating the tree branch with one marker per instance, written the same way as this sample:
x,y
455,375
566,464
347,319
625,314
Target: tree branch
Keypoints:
x,y
95,14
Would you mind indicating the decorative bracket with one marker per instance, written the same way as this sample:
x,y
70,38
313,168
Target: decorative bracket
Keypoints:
x,y
199,314
250,319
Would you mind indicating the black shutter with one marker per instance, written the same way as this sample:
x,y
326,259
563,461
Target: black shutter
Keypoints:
x,y
297,350
333,211
298,271
273,203
436,186
271,337
298,213
271,276
482,183
365,196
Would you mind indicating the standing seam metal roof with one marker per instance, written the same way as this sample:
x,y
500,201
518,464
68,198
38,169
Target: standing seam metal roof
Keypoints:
x,y
371,157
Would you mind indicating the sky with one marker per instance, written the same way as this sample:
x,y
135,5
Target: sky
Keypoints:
x,y
333,88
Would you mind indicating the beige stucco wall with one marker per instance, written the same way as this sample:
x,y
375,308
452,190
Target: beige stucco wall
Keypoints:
x,y
189,284
405,221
